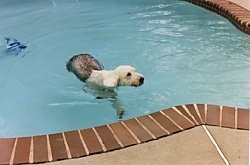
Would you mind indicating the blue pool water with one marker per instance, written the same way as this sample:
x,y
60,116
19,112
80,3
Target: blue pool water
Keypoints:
x,y
187,55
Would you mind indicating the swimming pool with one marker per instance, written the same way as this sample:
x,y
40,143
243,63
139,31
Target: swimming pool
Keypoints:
x,y
187,55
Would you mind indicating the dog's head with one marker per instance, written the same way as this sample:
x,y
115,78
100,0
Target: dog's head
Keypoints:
x,y
128,76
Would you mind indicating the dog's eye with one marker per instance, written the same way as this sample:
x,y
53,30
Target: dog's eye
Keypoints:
x,y
128,74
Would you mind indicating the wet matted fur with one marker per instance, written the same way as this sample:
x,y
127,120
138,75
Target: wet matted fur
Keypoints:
x,y
82,66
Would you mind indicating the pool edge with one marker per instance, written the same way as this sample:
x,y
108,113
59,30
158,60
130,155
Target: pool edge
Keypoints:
x,y
115,136
236,14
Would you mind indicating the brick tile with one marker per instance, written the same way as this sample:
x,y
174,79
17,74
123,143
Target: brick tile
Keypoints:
x,y
194,113
40,149
184,112
123,134
213,115
178,119
243,119
75,145
155,129
228,117
201,109
227,9
57,146
91,141
22,150
138,130
6,147
165,122
107,137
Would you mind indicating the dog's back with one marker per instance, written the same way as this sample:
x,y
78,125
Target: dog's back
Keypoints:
x,y
82,66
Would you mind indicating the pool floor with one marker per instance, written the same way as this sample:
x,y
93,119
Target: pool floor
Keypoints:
x,y
201,133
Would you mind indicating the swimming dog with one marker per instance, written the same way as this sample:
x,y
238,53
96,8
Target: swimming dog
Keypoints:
x,y
89,70
103,82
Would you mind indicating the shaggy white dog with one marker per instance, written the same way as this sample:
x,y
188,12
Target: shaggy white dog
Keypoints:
x,y
89,70
123,75
101,83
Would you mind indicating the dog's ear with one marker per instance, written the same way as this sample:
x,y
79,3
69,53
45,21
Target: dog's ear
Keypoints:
x,y
110,82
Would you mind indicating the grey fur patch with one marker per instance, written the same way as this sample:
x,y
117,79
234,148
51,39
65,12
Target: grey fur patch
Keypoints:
x,y
82,66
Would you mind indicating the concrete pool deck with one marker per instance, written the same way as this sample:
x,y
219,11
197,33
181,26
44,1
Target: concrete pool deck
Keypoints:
x,y
189,147
184,134
193,133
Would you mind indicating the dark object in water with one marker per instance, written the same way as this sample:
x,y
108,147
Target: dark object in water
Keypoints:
x,y
14,45
82,66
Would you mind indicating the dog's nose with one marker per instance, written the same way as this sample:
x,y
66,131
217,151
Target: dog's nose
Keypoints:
x,y
141,79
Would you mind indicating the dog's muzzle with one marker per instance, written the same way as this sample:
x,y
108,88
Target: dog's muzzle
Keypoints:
x,y
141,80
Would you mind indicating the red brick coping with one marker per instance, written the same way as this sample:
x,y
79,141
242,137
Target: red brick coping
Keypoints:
x,y
79,143
237,15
